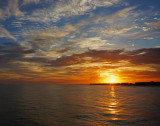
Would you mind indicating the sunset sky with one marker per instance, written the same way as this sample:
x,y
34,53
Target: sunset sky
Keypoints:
x,y
79,41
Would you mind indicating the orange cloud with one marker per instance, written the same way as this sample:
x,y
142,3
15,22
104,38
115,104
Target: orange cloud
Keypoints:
x,y
85,67
153,23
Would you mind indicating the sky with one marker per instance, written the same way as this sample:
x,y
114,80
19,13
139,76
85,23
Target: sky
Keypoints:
x,y
79,41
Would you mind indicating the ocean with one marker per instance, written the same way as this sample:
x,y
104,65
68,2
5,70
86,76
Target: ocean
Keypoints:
x,y
79,105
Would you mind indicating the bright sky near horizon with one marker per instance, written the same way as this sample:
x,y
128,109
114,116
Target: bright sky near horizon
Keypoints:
x,y
79,41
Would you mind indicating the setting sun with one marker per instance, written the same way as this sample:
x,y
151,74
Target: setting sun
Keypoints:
x,y
112,81
109,78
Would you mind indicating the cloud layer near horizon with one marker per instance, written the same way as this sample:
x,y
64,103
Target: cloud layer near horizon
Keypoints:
x,y
90,64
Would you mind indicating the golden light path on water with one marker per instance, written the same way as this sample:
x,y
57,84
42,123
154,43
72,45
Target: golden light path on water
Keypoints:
x,y
113,103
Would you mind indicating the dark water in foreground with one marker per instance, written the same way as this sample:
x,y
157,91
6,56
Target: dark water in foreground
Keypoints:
x,y
79,105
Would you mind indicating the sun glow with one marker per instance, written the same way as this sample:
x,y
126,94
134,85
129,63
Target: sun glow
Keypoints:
x,y
108,78
112,80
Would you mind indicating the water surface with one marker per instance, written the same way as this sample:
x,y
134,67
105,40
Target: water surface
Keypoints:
x,y
82,105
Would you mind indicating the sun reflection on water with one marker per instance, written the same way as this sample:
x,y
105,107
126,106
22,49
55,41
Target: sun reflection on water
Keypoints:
x,y
112,107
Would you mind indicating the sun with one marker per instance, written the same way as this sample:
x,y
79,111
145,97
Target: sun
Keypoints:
x,y
109,78
112,80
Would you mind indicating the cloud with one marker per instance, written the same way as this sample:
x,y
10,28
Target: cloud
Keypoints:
x,y
120,15
1,14
10,50
63,50
140,56
51,42
113,31
44,38
156,27
139,36
136,68
114,27
149,56
12,9
147,31
145,28
5,33
71,27
91,43
10,54
67,8
149,38
153,23
25,2
97,56
83,64
13,62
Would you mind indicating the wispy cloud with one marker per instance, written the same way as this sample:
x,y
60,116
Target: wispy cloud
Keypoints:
x,y
153,29
30,1
12,9
153,23
124,13
67,8
48,37
91,43
5,33
112,31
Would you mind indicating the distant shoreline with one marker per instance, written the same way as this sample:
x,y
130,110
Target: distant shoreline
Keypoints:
x,y
130,84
